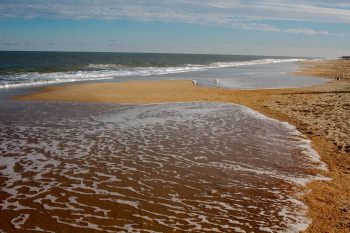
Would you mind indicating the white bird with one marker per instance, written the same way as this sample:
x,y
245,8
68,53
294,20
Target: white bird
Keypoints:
x,y
217,81
194,82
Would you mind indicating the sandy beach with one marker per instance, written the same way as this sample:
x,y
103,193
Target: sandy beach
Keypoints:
x,y
320,112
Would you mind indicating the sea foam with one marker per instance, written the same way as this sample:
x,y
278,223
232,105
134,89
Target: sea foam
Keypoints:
x,y
117,71
187,166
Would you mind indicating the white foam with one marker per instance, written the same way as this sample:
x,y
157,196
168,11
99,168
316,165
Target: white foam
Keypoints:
x,y
124,156
39,229
73,200
254,62
298,223
134,204
111,71
19,221
15,206
80,224
239,230
305,144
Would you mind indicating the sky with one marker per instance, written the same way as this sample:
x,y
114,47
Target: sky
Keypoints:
x,y
314,28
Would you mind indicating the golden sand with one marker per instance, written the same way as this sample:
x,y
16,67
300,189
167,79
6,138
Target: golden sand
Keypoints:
x,y
321,112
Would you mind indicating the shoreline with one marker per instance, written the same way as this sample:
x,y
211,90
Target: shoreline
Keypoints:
x,y
319,112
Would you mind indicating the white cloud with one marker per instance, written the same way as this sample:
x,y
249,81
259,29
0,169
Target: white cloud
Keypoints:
x,y
305,31
250,15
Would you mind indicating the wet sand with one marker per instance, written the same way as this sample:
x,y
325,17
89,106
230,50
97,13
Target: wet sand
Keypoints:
x,y
320,112
199,167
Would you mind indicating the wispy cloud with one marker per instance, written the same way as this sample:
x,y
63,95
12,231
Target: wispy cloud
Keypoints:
x,y
305,31
248,15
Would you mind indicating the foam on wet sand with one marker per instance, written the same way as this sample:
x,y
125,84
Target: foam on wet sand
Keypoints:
x,y
269,102
185,166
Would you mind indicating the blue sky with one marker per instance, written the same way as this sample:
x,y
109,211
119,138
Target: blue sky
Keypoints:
x,y
262,27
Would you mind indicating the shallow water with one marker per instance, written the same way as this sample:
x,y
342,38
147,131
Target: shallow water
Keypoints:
x,y
28,69
265,76
201,167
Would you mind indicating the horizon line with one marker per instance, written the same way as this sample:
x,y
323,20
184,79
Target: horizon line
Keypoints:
x,y
179,53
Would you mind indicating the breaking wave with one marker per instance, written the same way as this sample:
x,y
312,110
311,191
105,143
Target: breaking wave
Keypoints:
x,y
112,71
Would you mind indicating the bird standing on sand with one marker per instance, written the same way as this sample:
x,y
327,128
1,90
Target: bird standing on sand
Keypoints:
x,y
194,82
216,81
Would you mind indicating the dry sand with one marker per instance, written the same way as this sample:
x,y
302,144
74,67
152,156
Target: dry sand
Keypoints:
x,y
321,112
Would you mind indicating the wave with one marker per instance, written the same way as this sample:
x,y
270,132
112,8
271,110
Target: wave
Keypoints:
x,y
194,67
111,71
253,62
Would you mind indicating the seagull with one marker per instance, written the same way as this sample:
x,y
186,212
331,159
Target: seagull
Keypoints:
x,y
194,82
217,81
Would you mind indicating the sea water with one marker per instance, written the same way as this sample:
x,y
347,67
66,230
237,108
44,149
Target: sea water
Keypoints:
x,y
26,69
201,167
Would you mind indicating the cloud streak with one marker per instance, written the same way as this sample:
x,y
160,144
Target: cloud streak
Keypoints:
x,y
227,13
305,31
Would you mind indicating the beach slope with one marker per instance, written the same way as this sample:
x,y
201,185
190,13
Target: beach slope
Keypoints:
x,y
320,112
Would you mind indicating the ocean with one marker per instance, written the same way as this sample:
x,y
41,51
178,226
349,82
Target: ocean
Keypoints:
x,y
199,167
25,69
